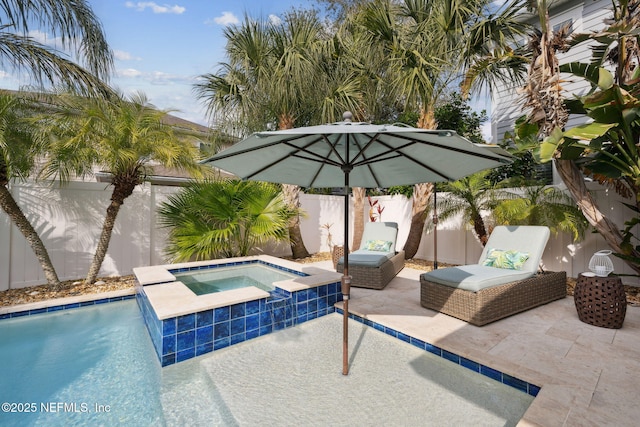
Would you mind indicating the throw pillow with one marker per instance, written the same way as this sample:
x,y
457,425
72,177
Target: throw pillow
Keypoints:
x,y
378,245
509,259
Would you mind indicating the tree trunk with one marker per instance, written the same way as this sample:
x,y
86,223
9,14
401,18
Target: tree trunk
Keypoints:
x,y
480,229
421,196
358,215
292,197
9,205
573,179
122,188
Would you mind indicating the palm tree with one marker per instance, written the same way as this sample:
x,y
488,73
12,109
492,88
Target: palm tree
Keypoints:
x,y
77,28
282,75
549,112
428,43
539,205
214,219
18,151
470,197
125,137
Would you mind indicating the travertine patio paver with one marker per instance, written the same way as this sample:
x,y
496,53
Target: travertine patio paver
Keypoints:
x,y
590,376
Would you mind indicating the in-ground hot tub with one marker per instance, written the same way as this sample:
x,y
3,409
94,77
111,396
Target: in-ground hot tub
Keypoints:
x,y
184,324
225,278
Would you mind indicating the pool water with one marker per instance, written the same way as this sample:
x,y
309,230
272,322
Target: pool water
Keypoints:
x,y
101,357
223,279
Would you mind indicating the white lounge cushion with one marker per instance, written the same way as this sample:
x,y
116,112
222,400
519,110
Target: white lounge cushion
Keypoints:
x,y
379,231
527,239
366,258
474,277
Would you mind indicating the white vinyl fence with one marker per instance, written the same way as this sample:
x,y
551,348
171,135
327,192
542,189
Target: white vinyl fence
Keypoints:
x,y
69,220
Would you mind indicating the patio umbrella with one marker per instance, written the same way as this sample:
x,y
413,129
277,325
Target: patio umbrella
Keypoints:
x,y
355,154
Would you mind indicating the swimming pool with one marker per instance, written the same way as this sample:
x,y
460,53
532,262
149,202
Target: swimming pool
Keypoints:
x,y
224,279
100,359
184,324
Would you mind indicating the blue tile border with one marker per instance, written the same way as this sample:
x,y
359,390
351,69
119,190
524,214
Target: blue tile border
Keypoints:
x,y
506,379
183,337
65,307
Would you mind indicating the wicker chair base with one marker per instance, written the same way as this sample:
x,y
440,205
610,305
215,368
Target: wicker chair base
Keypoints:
x,y
498,302
374,277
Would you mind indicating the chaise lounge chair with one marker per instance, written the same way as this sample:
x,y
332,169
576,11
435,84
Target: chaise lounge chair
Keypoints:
x,y
376,262
505,281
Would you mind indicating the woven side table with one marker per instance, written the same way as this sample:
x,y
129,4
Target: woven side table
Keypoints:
x,y
600,301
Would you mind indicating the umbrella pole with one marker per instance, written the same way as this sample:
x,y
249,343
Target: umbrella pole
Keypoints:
x,y
346,279
435,230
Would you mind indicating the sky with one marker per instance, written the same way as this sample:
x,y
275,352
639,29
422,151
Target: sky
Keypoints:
x,y
160,48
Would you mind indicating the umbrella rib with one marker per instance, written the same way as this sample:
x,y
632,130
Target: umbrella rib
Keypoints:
x,y
365,161
386,155
294,153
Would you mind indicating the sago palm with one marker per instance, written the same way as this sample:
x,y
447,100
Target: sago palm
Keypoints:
x,y
227,218
124,137
470,197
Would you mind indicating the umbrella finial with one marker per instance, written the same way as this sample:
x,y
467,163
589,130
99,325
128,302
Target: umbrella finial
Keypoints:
x,y
347,116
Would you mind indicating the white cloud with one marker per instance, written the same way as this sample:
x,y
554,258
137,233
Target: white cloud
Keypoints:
x,y
121,55
275,20
129,72
155,78
227,18
156,8
44,38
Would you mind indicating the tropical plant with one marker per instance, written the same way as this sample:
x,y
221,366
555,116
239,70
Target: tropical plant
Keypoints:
x,y
18,151
539,205
428,44
281,74
607,147
226,218
76,28
124,136
471,197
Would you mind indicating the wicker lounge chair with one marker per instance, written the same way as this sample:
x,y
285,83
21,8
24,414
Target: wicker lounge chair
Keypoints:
x,y
375,264
480,294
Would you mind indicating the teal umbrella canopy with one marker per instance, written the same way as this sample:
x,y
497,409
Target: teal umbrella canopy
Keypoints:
x,y
374,156
356,154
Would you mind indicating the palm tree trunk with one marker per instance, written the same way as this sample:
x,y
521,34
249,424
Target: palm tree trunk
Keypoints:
x,y
122,188
480,229
11,208
103,242
573,179
358,213
292,197
421,197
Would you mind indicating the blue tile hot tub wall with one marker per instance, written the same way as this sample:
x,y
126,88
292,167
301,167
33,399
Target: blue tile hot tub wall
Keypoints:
x,y
184,337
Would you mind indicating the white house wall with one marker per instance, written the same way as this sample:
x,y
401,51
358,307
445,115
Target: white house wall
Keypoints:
x,y
74,216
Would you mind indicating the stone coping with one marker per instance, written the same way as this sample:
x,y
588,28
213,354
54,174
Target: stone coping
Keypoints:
x,y
55,302
171,298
